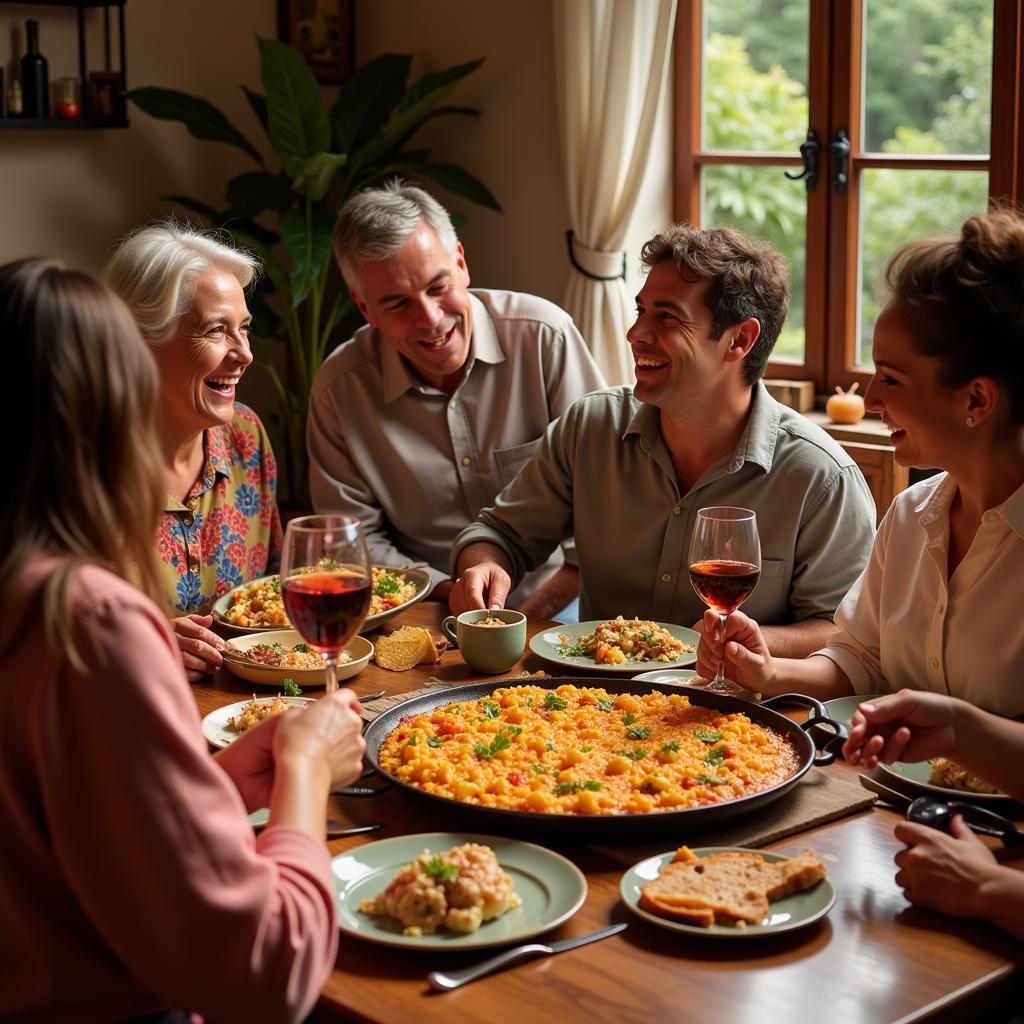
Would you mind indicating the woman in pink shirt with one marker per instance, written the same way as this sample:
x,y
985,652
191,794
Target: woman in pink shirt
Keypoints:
x,y
133,885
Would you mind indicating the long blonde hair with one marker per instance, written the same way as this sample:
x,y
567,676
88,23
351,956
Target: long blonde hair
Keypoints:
x,y
87,471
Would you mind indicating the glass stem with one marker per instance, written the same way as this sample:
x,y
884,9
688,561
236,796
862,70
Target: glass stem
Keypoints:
x,y
723,618
330,673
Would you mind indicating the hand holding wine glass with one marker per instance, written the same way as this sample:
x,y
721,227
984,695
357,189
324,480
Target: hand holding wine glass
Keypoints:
x,y
725,565
326,581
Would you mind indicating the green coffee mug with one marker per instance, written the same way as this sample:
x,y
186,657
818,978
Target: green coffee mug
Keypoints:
x,y
491,648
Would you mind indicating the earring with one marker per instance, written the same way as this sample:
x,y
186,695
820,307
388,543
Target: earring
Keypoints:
x,y
970,421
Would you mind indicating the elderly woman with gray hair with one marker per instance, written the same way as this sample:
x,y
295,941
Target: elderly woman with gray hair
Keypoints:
x,y
220,525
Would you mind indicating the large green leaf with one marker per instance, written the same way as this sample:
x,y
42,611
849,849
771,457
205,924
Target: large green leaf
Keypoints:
x,y
256,191
313,176
296,118
435,80
410,117
367,100
202,119
449,176
308,242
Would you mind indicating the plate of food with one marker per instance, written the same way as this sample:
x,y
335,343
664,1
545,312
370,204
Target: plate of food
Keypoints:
x,y
453,891
257,606
724,892
945,778
842,709
618,646
269,658
223,726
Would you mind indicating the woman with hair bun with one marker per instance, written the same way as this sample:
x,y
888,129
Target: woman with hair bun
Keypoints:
x,y
936,608
133,886
220,525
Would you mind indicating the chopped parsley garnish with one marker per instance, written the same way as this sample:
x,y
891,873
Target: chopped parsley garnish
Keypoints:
x,y
555,703
586,748
543,769
576,651
491,710
435,741
710,780
638,732
303,648
413,741
387,585
715,757
634,755
487,751
440,869
708,736
529,703
628,719
671,747
549,746
290,688
266,647
515,730
606,705
575,787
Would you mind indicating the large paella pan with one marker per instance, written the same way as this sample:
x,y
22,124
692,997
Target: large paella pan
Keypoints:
x,y
678,822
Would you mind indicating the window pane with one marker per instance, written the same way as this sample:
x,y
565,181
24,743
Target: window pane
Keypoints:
x,y
897,206
755,74
928,76
763,203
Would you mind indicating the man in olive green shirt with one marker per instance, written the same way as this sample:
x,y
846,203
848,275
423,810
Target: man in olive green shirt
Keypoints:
x,y
625,471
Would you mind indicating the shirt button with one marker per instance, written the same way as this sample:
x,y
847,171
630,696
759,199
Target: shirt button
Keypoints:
x,y
466,460
452,404
189,518
666,577
677,511
934,663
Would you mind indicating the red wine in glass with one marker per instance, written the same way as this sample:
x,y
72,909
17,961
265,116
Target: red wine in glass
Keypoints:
x,y
725,565
326,580
723,584
326,608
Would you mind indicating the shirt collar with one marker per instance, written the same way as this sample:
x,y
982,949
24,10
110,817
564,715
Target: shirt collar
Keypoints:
x,y
1013,511
935,505
484,346
216,462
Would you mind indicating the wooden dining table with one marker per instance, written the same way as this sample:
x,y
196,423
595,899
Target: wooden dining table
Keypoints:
x,y
872,959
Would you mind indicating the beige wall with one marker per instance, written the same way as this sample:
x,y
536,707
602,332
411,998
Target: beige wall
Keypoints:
x,y
71,193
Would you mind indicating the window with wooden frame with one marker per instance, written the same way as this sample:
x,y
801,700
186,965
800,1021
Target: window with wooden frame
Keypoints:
x,y
909,119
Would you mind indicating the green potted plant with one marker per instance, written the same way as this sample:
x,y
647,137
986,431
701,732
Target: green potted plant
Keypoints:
x,y
286,214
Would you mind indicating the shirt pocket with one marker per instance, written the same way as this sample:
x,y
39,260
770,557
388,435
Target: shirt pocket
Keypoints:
x,y
510,460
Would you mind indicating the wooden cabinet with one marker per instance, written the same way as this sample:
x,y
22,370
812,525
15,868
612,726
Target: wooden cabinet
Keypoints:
x,y
867,443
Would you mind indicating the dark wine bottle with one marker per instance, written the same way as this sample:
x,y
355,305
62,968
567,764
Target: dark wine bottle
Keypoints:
x,y
35,82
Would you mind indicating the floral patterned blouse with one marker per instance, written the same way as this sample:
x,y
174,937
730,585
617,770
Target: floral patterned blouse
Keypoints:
x,y
228,531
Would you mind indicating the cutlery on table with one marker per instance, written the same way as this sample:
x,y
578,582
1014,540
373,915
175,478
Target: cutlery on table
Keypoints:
x,y
376,695
443,981
336,828
936,813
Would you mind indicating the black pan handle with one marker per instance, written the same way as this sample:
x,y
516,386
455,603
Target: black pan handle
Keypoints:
x,y
829,735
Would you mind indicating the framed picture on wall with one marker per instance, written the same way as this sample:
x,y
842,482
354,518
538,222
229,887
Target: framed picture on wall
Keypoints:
x,y
322,31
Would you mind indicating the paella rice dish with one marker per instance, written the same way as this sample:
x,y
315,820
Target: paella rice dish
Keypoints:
x,y
276,655
457,890
625,640
260,604
950,775
257,711
581,750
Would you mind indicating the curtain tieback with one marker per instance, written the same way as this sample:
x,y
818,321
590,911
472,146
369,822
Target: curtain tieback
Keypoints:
x,y
592,263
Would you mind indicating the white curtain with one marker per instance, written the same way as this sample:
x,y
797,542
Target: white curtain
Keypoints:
x,y
611,60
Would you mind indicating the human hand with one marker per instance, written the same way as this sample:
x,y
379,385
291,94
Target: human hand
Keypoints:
x,y
200,648
328,731
249,761
484,585
943,872
747,659
907,726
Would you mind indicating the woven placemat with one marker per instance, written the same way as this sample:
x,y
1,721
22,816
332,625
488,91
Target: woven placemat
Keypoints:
x,y
817,799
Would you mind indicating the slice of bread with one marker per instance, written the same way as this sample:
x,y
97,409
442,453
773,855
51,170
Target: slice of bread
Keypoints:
x,y
726,888
406,647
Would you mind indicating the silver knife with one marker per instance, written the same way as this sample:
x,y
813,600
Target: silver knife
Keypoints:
x,y
445,980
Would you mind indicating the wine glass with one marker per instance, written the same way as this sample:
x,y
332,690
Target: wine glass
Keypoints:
x,y
326,579
725,564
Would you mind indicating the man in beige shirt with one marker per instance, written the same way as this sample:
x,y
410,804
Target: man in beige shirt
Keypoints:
x,y
625,471
425,414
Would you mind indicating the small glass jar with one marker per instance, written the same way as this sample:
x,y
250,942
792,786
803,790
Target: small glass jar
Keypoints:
x,y
68,106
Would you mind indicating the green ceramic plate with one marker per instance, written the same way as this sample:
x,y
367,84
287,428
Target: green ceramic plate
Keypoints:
x,y
785,915
552,890
549,645
916,776
418,577
842,709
